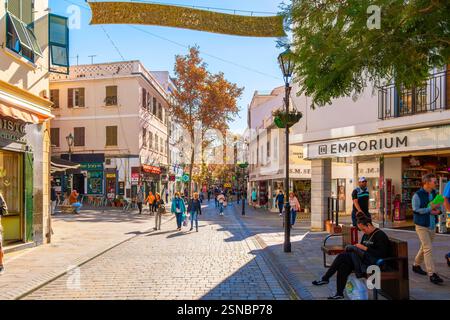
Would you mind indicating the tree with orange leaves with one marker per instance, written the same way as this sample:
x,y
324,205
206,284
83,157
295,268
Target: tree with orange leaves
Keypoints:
x,y
203,99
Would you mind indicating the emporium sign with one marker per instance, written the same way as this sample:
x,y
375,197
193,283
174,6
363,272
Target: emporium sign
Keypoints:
x,y
403,141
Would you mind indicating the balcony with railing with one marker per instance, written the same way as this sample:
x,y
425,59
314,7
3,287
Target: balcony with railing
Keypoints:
x,y
432,96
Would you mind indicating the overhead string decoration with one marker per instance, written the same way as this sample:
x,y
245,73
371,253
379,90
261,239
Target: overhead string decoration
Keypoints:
x,y
187,18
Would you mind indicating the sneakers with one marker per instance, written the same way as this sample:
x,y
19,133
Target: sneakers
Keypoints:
x,y
2,269
436,279
191,229
320,282
419,270
336,297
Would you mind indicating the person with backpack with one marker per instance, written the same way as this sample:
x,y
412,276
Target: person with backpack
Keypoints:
x,y
374,245
195,209
178,208
160,210
3,211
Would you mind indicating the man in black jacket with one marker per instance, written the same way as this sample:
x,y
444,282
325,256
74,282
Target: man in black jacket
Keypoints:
x,y
374,245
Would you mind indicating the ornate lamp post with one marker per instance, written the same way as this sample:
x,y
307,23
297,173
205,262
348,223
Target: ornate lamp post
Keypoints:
x,y
287,67
244,166
70,141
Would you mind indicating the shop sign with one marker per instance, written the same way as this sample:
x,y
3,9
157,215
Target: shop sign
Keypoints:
x,y
369,170
300,171
151,169
13,130
110,175
227,185
93,166
403,141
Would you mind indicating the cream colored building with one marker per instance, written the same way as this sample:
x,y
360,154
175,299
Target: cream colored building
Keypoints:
x,y
24,121
117,114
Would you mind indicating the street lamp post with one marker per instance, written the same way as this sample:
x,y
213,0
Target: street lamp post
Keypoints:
x,y
69,140
243,166
287,67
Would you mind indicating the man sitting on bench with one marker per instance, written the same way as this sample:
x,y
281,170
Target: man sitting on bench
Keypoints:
x,y
374,246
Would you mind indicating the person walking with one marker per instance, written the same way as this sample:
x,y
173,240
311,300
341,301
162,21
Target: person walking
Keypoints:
x,y
140,197
195,209
3,212
221,200
360,197
295,207
425,218
279,200
178,208
254,197
53,199
151,201
160,210
374,246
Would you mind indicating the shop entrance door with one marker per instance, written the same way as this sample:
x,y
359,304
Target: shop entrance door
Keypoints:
x,y
78,183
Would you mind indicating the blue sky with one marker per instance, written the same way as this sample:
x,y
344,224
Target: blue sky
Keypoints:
x,y
249,62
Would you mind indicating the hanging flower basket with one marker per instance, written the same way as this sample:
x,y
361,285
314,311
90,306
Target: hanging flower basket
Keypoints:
x,y
280,118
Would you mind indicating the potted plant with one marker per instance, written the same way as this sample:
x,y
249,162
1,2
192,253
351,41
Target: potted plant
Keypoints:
x,y
281,118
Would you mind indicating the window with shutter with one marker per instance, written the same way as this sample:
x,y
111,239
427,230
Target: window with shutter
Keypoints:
x,y
150,145
54,97
149,102
144,98
156,143
162,145
159,111
81,97
78,137
54,137
70,98
154,106
111,136
144,138
111,96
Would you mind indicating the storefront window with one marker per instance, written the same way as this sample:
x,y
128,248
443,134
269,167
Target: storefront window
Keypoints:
x,y
11,180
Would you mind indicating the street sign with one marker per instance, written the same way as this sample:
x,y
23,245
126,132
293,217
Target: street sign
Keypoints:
x,y
185,178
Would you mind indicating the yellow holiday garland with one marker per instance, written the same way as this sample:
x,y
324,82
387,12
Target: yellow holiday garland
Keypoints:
x,y
188,18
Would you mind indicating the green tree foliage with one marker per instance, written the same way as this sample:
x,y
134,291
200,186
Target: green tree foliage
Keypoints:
x,y
337,50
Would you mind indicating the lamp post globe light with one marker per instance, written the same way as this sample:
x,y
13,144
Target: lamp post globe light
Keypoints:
x,y
243,166
287,68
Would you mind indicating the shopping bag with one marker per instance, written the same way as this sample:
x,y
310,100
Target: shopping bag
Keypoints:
x,y
356,289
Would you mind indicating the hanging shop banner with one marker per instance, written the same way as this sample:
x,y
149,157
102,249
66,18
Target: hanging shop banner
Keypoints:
x,y
91,166
95,182
151,169
187,18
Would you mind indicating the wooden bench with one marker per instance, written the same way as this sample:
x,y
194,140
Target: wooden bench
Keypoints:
x,y
394,269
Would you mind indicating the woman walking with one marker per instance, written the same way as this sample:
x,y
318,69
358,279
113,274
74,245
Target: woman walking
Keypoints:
x,y
195,208
151,202
140,197
160,209
295,207
178,208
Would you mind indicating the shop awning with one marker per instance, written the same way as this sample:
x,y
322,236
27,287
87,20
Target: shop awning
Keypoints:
x,y
60,165
15,113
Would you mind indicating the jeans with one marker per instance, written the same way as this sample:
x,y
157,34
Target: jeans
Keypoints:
x,y
76,207
280,207
343,265
139,204
194,217
179,217
158,218
293,216
216,203
221,207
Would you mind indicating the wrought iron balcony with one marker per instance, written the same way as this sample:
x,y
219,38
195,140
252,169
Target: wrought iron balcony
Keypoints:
x,y
432,96
111,101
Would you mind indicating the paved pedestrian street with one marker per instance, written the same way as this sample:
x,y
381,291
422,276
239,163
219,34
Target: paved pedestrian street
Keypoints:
x,y
221,261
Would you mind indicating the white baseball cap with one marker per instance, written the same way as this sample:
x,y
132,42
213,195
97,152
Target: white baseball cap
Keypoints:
x,y
362,179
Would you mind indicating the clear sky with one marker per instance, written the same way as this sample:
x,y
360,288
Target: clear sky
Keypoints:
x,y
249,62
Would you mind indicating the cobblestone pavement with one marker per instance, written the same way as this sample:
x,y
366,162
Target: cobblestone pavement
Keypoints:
x,y
75,239
221,261
305,263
